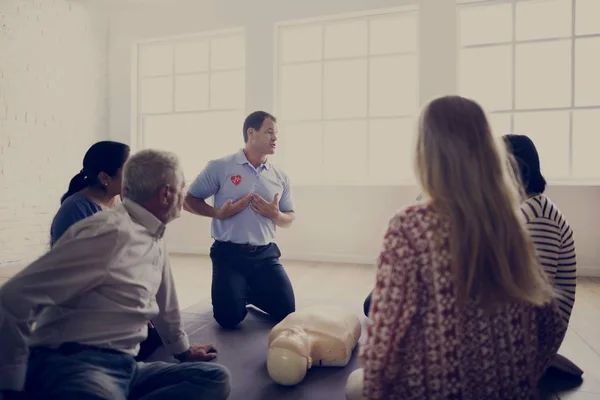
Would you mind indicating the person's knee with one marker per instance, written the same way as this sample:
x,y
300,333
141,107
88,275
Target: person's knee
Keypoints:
x,y
229,318
285,312
51,375
283,309
212,378
354,386
222,382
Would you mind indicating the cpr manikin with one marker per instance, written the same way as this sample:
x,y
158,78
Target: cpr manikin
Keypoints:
x,y
323,336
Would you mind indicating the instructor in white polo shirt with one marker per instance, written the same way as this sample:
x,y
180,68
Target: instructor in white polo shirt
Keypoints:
x,y
252,197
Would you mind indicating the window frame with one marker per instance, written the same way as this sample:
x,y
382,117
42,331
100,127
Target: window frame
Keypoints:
x,y
137,139
570,180
341,17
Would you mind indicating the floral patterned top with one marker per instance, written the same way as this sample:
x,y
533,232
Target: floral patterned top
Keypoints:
x,y
421,345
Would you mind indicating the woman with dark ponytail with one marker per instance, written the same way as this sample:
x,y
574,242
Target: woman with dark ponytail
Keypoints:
x,y
94,188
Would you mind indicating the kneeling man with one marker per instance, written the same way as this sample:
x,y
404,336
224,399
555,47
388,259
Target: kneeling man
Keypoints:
x,y
252,197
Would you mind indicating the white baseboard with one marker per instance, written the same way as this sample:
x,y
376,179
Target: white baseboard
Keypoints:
x,y
584,270
308,257
589,271
331,258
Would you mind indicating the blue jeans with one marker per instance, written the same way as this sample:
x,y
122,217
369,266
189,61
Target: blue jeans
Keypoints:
x,y
81,372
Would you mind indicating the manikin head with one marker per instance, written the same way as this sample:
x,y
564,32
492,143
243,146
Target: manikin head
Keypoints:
x,y
154,180
289,357
260,133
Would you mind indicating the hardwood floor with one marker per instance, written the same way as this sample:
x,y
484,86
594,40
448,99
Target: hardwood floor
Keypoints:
x,y
351,284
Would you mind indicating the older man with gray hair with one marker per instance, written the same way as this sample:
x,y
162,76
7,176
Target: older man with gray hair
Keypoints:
x,y
90,297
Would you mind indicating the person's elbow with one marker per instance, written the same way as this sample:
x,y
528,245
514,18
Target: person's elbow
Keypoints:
x,y
292,218
186,203
286,219
189,203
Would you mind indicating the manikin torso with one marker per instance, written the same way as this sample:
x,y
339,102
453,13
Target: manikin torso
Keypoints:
x,y
317,336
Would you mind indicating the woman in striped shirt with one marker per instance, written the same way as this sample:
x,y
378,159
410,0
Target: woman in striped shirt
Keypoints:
x,y
550,231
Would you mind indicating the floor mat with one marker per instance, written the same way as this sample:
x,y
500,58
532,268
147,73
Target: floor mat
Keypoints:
x,y
244,352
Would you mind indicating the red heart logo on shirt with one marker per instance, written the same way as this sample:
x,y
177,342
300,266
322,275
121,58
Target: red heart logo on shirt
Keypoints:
x,y
236,179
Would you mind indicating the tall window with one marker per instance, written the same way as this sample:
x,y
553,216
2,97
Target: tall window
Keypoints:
x,y
191,96
534,66
347,93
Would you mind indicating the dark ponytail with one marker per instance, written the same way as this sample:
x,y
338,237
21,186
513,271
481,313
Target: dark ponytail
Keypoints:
x,y
105,156
77,183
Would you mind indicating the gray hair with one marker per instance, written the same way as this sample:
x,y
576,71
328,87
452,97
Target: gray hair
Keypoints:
x,y
147,171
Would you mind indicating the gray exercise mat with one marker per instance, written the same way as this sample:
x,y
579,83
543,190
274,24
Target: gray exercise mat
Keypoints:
x,y
244,352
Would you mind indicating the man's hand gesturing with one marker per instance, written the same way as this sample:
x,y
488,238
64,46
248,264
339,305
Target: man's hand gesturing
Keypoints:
x,y
229,209
268,209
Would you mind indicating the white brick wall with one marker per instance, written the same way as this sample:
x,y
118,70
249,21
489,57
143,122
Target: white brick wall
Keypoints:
x,y
53,106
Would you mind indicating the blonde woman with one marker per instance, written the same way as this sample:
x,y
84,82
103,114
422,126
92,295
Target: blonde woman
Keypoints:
x,y
461,307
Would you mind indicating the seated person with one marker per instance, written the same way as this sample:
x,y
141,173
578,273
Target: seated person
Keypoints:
x,y
91,296
550,231
318,336
95,188
461,308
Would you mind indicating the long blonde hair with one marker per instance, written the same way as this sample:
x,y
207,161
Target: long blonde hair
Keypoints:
x,y
469,179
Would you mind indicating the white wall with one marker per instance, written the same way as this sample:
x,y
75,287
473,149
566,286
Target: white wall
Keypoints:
x,y
333,223
53,105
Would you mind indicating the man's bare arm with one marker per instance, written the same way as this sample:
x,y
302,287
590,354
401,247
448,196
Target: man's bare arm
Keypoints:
x,y
198,206
285,219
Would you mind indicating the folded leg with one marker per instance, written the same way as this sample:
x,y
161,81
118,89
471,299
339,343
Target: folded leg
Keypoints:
x,y
270,287
184,381
78,372
228,290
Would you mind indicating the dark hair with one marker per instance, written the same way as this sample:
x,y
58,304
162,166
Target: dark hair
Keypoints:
x,y
105,156
255,121
528,160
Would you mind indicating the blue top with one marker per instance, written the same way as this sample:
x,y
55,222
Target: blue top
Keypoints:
x,y
73,209
231,178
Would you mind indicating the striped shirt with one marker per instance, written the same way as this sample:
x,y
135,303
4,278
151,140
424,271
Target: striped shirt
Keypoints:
x,y
555,246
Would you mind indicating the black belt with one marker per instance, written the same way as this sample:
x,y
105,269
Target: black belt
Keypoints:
x,y
249,248
70,348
